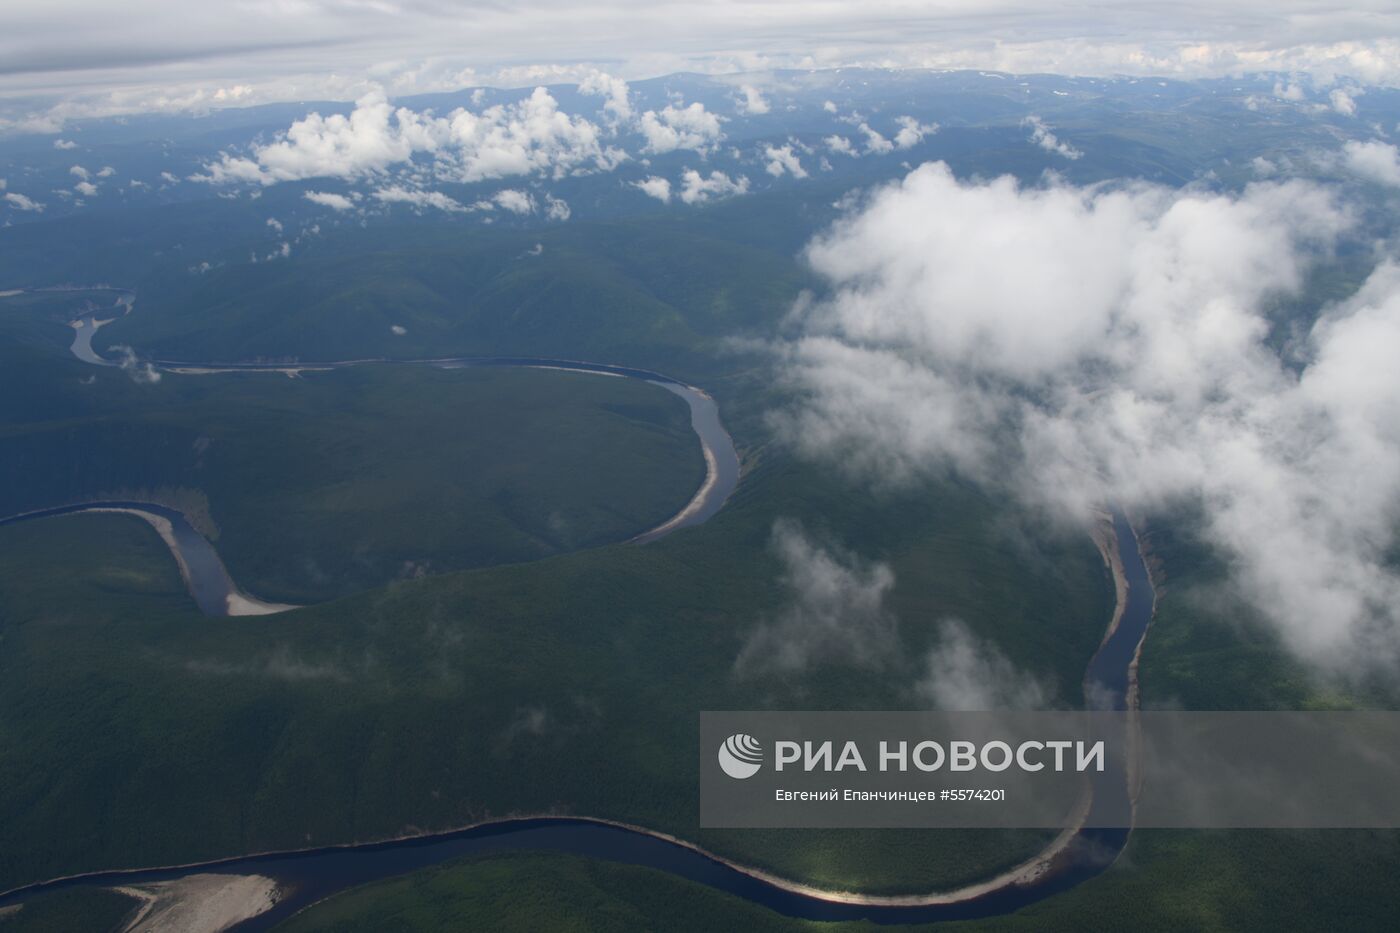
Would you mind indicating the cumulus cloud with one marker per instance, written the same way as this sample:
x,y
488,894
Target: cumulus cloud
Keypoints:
x,y
86,188
21,203
840,145
912,132
77,171
398,194
532,136
655,186
1042,137
515,201
697,188
1078,346
557,208
618,103
106,172
835,612
673,128
336,202
1375,161
964,672
875,144
1343,102
782,159
752,102
64,144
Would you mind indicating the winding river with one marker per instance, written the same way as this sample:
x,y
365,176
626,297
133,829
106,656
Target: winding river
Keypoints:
x,y
204,573
312,875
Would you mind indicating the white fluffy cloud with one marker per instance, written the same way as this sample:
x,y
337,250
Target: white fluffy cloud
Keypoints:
x,y
840,145
1375,161
618,102
1045,139
697,188
532,136
875,143
336,202
1079,346
397,194
557,208
782,159
912,132
515,201
655,186
752,101
1343,102
85,188
21,203
673,128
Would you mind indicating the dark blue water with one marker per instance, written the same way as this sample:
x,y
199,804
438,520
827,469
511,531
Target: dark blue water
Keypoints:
x,y
313,875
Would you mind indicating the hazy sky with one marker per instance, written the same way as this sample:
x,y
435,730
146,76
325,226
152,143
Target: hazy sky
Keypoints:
x,y
95,56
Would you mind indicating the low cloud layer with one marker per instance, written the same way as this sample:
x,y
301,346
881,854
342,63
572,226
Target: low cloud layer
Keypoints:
x,y
81,57
1075,346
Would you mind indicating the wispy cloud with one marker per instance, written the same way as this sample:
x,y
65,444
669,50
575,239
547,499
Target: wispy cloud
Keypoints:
x,y
835,614
1042,136
964,672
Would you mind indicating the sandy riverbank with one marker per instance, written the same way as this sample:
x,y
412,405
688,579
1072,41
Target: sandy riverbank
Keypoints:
x,y
206,903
